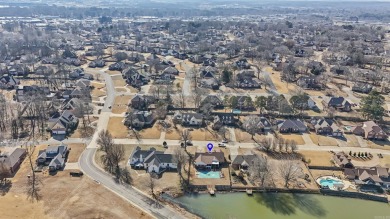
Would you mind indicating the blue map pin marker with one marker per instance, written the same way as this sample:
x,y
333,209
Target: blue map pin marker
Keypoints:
x,y
210,147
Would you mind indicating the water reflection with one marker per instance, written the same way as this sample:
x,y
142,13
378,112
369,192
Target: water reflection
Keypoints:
x,y
287,204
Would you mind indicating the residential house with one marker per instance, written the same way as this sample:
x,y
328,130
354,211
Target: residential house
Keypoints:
x,y
243,162
142,102
326,127
212,160
362,87
171,70
24,93
119,66
292,126
242,64
134,78
223,119
246,79
342,160
188,119
152,160
99,63
309,82
8,82
338,103
53,156
12,159
213,100
366,177
245,103
370,130
140,119
261,123
61,125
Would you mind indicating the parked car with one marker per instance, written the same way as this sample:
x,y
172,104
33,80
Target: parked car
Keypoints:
x,y
222,145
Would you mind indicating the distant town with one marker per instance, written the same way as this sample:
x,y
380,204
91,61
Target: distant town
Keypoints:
x,y
105,109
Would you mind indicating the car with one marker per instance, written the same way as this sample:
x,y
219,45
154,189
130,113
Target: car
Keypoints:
x,y
189,143
221,145
224,141
109,107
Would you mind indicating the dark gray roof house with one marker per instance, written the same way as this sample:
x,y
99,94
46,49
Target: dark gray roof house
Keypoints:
x,y
152,160
243,161
292,125
12,159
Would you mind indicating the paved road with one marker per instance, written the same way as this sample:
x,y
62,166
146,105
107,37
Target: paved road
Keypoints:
x,y
125,191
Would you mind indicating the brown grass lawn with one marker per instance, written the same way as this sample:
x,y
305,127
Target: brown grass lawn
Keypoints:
x,y
352,140
245,137
98,85
318,158
118,81
121,104
64,197
120,89
296,137
384,145
385,161
173,134
280,85
202,134
117,128
113,72
323,140
75,150
151,133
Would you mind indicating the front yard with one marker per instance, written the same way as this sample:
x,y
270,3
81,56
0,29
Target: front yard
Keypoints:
x,y
296,137
117,128
322,140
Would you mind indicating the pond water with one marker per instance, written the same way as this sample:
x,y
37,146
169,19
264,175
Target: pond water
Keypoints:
x,y
282,205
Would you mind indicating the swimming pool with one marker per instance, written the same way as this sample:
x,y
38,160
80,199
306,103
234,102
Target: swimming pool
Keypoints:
x,y
331,183
209,174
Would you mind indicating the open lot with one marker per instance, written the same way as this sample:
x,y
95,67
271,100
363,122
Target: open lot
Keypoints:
x,y
203,134
296,137
75,150
384,145
121,104
118,81
151,133
322,140
318,158
245,137
117,128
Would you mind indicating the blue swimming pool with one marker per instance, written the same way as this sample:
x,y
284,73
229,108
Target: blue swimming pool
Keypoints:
x,y
330,182
209,174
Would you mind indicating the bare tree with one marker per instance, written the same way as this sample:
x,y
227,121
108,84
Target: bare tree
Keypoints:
x,y
198,95
293,146
185,137
289,170
265,144
152,186
105,140
33,181
260,171
180,157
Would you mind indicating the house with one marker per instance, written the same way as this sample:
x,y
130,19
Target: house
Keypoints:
x,y
8,82
370,130
292,126
242,64
142,102
213,100
12,159
309,82
188,119
152,160
362,87
212,160
222,119
119,66
99,63
246,79
53,156
326,127
261,124
62,124
245,103
134,78
365,177
171,70
342,160
243,162
338,103
140,119
210,83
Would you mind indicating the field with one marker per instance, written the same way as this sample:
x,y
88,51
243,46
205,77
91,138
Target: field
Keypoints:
x,y
318,158
120,104
245,137
118,81
151,133
296,137
63,196
281,86
203,134
323,140
117,128
75,150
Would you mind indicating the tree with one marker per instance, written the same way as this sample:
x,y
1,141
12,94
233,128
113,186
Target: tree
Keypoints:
x,y
261,103
226,76
180,157
266,144
185,137
120,56
260,171
293,146
299,102
372,106
289,171
252,125
105,140
198,94
152,185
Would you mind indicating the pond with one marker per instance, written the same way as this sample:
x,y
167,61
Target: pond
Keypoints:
x,y
282,205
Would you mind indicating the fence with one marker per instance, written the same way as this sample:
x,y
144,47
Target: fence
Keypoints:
x,y
354,195
325,168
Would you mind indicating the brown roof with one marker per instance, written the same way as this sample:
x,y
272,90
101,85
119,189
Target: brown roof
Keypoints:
x,y
208,158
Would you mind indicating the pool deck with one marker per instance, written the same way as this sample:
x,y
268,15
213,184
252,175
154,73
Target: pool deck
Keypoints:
x,y
346,183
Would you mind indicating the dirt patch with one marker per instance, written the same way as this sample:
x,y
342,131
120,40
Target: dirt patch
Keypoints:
x,y
118,81
121,104
323,140
75,151
117,128
296,137
318,158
